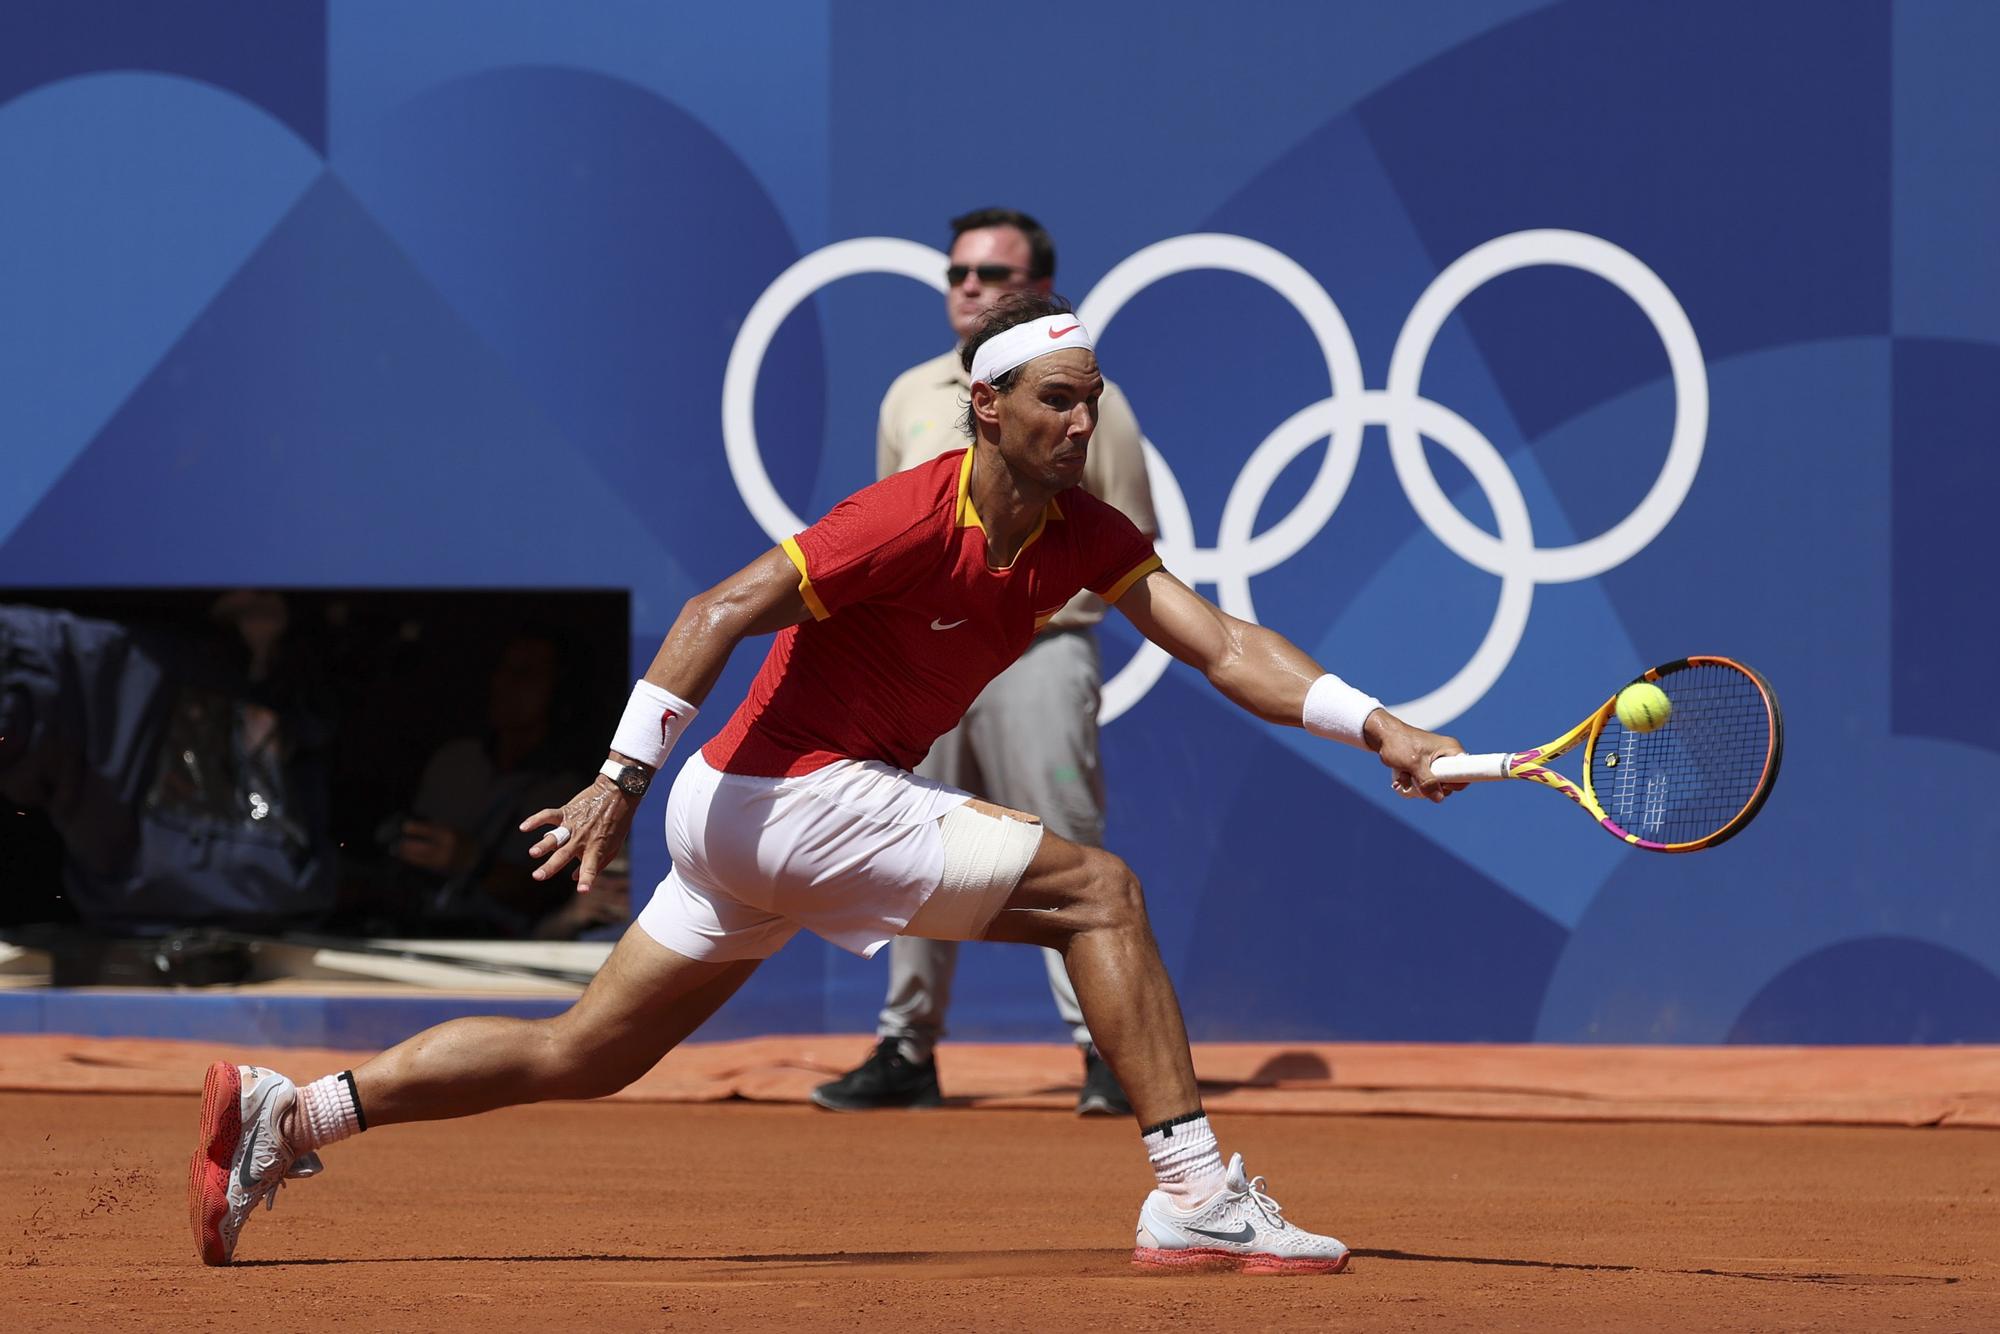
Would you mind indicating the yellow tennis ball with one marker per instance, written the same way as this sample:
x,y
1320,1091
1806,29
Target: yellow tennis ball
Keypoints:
x,y
1643,707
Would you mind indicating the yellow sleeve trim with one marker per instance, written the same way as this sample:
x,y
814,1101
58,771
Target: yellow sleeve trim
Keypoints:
x,y
813,604
1137,572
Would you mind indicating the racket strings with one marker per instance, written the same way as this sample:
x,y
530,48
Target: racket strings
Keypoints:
x,y
1693,776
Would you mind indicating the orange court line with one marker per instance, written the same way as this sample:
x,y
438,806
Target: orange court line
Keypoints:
x,y
1896,1086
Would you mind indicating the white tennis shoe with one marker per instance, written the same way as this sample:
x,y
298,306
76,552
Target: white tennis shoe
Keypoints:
x,y
1240,1228
241,1158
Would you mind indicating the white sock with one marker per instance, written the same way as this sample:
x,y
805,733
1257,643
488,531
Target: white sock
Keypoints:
x,y
1185,1160
329,1112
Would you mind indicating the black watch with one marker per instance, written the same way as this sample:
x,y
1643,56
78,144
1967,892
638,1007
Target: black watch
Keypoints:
x,y
632,779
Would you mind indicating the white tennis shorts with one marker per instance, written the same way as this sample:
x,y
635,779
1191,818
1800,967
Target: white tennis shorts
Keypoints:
x,y
857,852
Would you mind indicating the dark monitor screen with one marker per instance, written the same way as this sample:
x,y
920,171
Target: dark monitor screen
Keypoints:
x,y
378,746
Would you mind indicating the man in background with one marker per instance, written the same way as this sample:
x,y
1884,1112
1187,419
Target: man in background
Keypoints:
x,y
463,827
1030,740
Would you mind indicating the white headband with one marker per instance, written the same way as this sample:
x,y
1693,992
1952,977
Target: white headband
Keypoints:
x,y
1024,342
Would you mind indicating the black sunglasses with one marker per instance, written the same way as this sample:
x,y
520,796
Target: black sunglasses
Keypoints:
x,y
990,274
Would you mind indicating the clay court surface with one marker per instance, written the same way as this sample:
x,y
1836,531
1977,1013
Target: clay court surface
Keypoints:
x,y
741,1216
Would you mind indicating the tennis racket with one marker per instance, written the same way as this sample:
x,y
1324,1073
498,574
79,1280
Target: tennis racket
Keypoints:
x,y
1689,784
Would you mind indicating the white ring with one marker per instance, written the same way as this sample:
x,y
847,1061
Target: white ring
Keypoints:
x,y
868,254
560,834
1177,544
1504,254
1517,588
1283,275
1488,468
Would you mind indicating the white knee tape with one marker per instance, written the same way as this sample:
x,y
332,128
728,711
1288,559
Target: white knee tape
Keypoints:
x,y
984,858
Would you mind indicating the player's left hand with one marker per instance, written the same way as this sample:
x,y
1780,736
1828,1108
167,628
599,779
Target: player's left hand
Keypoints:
x,y
1408,752
588,830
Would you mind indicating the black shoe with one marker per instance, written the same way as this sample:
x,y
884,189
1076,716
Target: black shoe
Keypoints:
x,y
885,1079
1101,1094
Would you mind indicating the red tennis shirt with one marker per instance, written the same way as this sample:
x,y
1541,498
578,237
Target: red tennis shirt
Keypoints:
x,y
909,624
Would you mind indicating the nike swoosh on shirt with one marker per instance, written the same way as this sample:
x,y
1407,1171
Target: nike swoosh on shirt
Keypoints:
x,y
1058,333
1242,1234
947,625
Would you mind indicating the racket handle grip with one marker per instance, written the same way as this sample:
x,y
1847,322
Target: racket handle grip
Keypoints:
x,y
1470,768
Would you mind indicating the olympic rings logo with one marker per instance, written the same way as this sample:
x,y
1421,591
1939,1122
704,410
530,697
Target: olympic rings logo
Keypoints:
x,y
1340,419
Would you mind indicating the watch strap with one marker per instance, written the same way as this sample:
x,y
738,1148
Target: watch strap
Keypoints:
x,y
616,770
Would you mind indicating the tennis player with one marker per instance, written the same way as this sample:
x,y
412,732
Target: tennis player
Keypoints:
x,y
1029,740
891,613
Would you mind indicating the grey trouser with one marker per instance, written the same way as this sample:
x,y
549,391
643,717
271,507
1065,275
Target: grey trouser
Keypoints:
x,y
1029,742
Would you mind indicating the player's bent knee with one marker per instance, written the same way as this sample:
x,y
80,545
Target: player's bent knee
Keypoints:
x,y
1115,891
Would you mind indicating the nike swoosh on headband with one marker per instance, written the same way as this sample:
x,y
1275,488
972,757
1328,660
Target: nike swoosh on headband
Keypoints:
x,y
1058,333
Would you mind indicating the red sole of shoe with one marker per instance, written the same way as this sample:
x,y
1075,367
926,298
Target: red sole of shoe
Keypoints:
x,y
208,1172
1201,1258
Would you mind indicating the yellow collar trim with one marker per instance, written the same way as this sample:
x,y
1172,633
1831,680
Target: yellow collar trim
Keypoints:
x,y
965,494
966,514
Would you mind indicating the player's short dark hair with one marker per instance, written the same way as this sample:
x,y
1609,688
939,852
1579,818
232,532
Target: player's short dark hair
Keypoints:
x,y
1010,310
1041,249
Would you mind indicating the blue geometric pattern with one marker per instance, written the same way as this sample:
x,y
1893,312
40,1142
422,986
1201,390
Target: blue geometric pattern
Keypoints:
x,y
442,293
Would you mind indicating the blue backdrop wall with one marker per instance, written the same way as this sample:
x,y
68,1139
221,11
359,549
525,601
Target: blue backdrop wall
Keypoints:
x,y
427,293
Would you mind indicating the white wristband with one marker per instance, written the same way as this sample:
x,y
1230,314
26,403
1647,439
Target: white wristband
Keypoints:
x,y
653,721
1336,710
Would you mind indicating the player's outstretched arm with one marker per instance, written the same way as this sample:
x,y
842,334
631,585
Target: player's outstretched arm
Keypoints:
x,y
760,599
1262,671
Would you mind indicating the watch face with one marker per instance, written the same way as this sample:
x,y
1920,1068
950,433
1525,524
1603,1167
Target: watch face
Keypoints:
x,y
633,779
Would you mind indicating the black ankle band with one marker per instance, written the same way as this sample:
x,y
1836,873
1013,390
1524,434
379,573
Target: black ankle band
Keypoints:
x,y
354,1096
1166,1127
